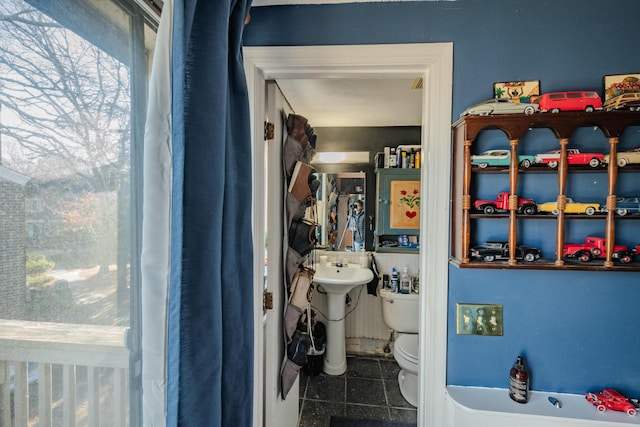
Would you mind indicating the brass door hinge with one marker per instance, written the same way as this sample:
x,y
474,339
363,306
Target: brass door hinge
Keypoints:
x,y
268,131
267,300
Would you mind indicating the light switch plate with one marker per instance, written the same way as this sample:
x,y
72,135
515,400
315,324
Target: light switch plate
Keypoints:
x,y
479,319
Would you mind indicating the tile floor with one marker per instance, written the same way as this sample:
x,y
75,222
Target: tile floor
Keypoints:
x,y
369,389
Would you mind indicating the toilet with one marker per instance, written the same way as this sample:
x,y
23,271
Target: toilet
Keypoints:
x,y
401,313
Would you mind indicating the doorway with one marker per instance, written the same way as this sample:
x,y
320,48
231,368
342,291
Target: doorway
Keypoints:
x,y
434,62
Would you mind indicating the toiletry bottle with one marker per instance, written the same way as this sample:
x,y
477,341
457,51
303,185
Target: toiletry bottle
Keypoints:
x,y
405,282
415,284
519,382
385,281
393,158
394,280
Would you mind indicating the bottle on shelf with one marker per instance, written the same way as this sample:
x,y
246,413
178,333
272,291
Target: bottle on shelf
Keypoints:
x,y
405,282
415,284
519,382
393,158
394,280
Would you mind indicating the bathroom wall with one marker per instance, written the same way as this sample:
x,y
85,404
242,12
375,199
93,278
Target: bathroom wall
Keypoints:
x,y
576,328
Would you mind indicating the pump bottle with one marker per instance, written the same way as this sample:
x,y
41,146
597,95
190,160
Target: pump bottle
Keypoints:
x,y
519,382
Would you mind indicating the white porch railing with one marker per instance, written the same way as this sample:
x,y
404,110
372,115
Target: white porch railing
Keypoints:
x,y
52,361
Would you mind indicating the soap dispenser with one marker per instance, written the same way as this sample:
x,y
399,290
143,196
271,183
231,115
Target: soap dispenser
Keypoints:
x,y
519,382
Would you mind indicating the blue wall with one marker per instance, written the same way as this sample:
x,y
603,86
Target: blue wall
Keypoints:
x,y
577,329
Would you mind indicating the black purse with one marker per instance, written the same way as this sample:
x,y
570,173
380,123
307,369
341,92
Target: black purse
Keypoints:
x,y
302,236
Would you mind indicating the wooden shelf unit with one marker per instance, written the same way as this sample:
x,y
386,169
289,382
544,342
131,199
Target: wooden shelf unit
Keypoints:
x,y
515,126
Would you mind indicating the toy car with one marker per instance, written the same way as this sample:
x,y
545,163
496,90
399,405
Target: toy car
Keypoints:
x,y
574,157
632,105
499,158
499,106
501,204
555,102
627,205
595,248
626,157
621,101
499,250
570,207
611,399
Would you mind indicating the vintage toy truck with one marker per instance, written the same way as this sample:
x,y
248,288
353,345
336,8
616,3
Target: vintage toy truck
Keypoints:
x,y
595,248
611,399
501,204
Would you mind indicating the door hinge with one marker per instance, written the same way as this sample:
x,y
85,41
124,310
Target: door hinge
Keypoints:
x,y
268,131
267,300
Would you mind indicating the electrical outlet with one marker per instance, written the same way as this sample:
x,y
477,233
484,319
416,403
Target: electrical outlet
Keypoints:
x,y
479,319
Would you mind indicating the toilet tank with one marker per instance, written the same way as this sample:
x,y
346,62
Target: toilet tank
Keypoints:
x,y
401,311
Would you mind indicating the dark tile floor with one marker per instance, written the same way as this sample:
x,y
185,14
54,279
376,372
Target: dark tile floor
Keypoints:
x,y
369,389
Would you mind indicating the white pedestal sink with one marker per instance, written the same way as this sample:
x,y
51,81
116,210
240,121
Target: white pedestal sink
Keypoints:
x,y
337,280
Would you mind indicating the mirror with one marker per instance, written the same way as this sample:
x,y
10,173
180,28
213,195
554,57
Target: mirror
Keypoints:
x,y
341,208
352,142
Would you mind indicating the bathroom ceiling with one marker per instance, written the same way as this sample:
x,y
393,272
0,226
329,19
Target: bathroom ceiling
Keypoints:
x,y
374,102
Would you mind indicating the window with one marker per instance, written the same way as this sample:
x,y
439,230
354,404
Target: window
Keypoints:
x,y
72,100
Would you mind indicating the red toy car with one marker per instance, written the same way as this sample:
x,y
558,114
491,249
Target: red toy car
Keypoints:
x,y
583,100
611,399
501,204
595,248
574,157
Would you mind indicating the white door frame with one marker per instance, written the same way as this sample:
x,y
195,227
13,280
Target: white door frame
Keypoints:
x,y
434,62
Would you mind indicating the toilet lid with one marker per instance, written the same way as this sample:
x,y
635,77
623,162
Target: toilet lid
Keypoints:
x,y
407,347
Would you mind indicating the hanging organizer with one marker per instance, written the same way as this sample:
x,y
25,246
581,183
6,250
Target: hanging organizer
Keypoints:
x,y
300,239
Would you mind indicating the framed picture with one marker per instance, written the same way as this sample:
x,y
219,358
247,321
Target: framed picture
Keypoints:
x,y
617,84
404,204
479,319
520,91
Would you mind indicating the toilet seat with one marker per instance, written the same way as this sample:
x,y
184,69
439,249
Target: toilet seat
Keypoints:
x,y
406,352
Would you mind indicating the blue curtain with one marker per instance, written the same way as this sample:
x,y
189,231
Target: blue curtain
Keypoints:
x,y
210,319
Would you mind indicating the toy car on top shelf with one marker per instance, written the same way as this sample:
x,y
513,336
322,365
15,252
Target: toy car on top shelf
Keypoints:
x,y
499,106
580,100
632,105
625,157
500,158
499,250
574,157
620,102
611,399
571,206
595,248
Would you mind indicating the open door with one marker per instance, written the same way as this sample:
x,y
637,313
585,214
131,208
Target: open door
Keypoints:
x,y
277,412
434,62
